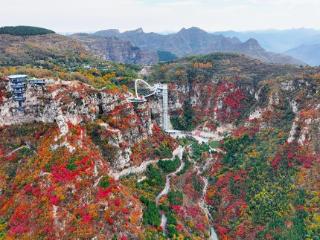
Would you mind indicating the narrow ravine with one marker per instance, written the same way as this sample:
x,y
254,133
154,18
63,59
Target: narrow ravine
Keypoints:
x,y
202,203
179,153
204,207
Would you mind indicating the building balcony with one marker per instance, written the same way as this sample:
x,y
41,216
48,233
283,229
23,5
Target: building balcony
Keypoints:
x,y
18,91
37,82
18,85
18,80
19,98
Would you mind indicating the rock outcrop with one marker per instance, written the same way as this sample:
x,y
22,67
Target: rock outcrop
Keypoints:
x,y
116,50
72,102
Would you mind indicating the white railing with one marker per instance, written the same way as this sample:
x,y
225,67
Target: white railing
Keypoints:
x,y
157,89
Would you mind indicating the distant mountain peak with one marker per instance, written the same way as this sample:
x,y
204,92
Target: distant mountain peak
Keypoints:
x,y
253,44
113,30
192,29
108,33
252,41
138,30
194,40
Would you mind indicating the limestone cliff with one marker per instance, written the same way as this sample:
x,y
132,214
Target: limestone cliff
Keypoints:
x,y
72,102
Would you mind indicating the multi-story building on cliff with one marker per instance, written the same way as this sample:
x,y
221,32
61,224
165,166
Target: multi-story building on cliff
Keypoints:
x,y
18,84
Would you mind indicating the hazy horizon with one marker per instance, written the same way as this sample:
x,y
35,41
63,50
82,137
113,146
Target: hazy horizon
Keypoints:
x,y
172,32
162,16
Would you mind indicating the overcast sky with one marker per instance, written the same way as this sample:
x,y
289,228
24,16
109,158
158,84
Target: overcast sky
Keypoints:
x,y
161,15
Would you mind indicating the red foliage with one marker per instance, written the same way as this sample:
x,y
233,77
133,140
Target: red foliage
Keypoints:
x,y
224,180
122,117
250,131
62,174
2,94
110,220
104,192
306,160
275,162
234,100
125,211
54,200
20,220
117,202
293,155
178,209
240,230
224,87
86,218
221,230
179,227
193,211
200,227
231,97
11,157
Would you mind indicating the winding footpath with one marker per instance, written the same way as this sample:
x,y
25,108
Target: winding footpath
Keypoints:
x,y
132,170
204,207
142,168
202,203
165,191
16,150
179,153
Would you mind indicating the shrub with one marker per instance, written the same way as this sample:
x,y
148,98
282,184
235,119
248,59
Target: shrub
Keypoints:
x,y
151,214
175,198
154,176
187,165
71,164
104,182
163,151
169,165
197,184
186,121
198,149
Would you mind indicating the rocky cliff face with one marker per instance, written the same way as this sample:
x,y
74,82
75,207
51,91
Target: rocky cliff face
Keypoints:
x,y
271,155
60,158
230,90
71,102
114,49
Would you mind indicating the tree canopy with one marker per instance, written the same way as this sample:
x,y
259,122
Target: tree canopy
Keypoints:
x,y
24,31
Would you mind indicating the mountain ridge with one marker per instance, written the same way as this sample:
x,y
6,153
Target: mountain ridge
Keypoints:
x,y
111,48
194,41
55,48
309,53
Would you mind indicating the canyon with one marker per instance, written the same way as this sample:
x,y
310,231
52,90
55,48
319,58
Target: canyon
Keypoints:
x,y
98,166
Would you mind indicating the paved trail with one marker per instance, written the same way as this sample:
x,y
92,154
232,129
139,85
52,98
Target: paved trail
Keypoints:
x,y
16,150
142,168
179,153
